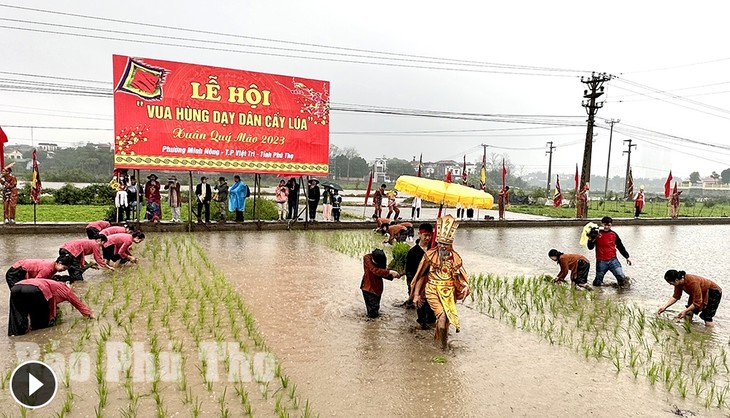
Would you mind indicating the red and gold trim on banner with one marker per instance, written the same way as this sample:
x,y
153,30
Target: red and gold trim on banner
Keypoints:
x,y
209,164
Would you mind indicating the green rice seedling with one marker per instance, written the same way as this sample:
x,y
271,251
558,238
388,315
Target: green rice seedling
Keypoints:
x,y
722,396
264,388
653,373
710,396
222,409
197,406
284,381
103,393
682,387
307,410
187,397
97,412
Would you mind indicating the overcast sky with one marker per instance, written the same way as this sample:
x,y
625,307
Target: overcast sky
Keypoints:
x,y
673,47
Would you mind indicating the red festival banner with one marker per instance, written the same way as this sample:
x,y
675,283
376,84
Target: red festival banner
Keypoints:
x,y
175,116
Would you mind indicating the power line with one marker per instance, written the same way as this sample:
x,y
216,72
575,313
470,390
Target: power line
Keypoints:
x,y
239,51
677,66
147,25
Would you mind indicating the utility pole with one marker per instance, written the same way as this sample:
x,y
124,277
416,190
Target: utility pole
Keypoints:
x,y
550,166
594,91
608,164
628,166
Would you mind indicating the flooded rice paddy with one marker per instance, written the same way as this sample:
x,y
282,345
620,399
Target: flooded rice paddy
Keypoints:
x,y
307,309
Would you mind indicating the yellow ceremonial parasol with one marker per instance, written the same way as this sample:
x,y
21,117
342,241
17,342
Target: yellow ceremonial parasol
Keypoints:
x,y
444,193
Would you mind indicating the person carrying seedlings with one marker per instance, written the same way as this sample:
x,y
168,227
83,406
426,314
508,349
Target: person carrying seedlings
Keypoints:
x,y
40,269
441,279
116,249
374,267
78,249
33,304
393,205
425,314
606,242
93,228
704,295
576,264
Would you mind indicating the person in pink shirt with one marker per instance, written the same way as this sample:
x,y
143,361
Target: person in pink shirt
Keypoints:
x,y
33,268
78,249
126,229
116,248
93,228
33,304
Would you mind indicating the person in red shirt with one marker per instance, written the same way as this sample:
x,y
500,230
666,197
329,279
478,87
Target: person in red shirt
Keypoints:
x,y
576,264
93,228
78,249
704,295
32,268
374,266
639,203
33,304
116,248
378,201
126,229
606,242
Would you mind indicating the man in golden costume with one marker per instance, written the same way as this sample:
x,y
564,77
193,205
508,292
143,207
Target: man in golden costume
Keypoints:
x,y
441,279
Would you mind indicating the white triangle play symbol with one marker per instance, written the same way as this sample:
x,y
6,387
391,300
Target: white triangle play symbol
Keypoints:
x,y
33,384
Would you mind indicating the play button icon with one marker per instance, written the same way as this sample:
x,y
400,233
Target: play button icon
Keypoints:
x,y
33,384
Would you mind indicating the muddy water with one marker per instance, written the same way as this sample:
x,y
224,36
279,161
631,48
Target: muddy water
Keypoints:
x,y
309,308
307,304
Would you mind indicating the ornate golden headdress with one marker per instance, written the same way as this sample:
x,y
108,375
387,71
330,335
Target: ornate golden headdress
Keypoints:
x,y
445,229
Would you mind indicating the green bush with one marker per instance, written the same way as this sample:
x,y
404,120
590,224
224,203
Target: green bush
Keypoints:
x,y
265,209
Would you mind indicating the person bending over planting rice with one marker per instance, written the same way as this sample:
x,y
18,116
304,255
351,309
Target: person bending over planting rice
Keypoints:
x,y
576,264
704,295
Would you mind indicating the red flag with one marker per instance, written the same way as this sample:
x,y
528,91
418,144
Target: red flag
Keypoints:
x,y
675,188
35,184
420,163
370,186
3,140
576,179
504,174
558,196
668,184
448,176
463,172
630,185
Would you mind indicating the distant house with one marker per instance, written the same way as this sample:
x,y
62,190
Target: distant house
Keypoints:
x,y
14,156
47,146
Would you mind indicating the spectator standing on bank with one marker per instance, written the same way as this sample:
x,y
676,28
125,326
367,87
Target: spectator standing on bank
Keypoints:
x,y
336,205
293,198
313,194
204,194
327,204
503,200
393,205
221,197
153,197
173,188
416,208
281,195
237,195
132,196
639,202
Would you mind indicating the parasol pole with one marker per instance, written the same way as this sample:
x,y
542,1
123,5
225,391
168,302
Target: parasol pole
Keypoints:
x,y
435,228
